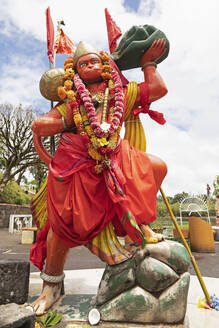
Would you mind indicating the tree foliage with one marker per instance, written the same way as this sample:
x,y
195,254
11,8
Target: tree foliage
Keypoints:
x,y
17,151
13,194
162,210
39,172
179,197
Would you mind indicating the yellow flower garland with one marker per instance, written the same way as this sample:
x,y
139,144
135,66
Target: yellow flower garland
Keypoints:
x,y
80,116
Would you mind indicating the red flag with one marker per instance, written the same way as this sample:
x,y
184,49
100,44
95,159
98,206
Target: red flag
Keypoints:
x,y
50,35
63,44
113,31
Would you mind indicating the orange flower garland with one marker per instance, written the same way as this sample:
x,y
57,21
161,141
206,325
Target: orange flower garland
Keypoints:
x,y
107,69
66,91
68,84
98,145
62,93
100,131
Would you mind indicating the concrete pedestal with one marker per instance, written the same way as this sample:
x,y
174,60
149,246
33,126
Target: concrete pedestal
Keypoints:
x,y
75,309
14,284
28,236
15,316
81,286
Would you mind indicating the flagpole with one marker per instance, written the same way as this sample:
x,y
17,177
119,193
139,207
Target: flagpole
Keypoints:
x,y
57,39
52,51
52,138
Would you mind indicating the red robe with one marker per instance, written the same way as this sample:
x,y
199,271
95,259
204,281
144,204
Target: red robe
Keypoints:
x,y
80,203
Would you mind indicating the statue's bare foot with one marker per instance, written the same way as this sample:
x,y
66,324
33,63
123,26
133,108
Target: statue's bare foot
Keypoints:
x,y
50,294
150,235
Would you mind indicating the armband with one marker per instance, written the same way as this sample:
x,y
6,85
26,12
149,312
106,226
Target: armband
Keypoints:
x,y
148,64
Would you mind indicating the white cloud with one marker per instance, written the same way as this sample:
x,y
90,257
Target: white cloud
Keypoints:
x,y
19,81
189,141
192,162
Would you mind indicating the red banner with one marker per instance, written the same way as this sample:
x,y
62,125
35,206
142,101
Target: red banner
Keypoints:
x,y
63,44
113,31
50,35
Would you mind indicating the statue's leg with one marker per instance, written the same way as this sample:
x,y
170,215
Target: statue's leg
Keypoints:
x,y
56,256
160,171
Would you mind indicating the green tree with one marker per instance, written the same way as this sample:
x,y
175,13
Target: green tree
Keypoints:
x,y
162,209
17,151
211,206
39,172
160,199
179,197
13,194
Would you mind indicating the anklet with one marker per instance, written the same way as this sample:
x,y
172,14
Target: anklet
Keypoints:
x,y
52,279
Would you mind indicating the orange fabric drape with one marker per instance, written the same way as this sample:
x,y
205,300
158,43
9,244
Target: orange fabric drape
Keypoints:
x,y
81,205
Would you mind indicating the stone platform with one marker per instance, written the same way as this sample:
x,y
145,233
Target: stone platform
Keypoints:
x,y
75,309
124,325
150,288
84,283
14,316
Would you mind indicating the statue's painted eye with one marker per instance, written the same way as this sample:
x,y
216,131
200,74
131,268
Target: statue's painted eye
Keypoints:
x,y
83,65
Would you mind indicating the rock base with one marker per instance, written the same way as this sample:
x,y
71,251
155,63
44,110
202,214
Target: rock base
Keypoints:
x,y
15,316
14,285
151,287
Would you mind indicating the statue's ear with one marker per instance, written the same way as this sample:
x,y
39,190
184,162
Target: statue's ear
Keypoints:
x,y
133,45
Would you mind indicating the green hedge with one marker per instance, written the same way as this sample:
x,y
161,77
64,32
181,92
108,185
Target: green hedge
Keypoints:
x,y
163,212
14,194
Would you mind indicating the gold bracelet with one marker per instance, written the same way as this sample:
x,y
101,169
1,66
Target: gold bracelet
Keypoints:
x,y
149,64
64,123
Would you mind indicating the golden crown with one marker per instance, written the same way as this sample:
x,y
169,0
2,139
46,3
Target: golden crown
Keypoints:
x,y
84,49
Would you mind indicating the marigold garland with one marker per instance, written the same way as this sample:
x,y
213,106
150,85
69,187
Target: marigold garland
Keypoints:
x,y
66,91
70,59
68,84
69,65
119,106
98,141
106,75
71,95
97,147
104,56
62,93
69,74
107,69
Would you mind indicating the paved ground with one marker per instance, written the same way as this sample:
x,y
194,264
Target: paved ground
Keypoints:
x,y
81,258
83,284
78,258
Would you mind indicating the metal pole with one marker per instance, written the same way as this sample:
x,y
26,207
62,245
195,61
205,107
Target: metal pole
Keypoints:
x,y
52,138
198,273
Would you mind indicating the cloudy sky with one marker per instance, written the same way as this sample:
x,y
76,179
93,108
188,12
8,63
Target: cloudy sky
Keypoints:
x,y
189,141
